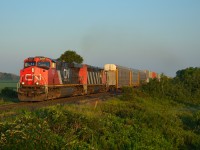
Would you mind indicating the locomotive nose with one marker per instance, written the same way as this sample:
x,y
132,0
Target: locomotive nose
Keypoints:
x,y
31,76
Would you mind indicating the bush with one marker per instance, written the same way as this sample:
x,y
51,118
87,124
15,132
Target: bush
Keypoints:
x,y
28,132
130,93
127,93
8,92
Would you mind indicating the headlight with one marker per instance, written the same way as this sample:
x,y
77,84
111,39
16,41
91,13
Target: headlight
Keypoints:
x,y
37,83
22,83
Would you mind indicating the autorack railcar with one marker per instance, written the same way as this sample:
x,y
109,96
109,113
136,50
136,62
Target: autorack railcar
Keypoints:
x,y
118,76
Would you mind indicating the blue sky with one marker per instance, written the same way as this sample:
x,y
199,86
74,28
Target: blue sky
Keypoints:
x,y
158,35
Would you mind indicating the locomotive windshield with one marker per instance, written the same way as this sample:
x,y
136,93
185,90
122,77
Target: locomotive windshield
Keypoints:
x,y
44,64
28,64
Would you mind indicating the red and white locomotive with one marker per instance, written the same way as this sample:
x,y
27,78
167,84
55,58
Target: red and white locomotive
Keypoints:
x,y
43,78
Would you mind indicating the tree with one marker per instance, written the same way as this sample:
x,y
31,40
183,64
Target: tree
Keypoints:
x,y
70,57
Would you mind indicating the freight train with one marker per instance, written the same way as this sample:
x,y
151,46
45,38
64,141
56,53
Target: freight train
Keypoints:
x,y
43,78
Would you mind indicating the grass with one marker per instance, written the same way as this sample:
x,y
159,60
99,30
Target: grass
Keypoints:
x,y
12,85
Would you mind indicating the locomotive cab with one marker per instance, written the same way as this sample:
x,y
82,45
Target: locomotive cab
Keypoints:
x,y
40,62
35,71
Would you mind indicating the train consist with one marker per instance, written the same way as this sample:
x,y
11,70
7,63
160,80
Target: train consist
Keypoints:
x,y
43,78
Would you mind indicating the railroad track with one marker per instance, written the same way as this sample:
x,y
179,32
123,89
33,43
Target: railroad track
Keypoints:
x,y
69,100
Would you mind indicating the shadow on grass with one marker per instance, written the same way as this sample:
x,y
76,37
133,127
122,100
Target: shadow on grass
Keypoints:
x,y
9,99
8,95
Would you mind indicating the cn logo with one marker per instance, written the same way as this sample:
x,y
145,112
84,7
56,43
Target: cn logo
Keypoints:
x,y
31,77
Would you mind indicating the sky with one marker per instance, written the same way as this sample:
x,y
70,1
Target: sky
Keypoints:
x,y
157,35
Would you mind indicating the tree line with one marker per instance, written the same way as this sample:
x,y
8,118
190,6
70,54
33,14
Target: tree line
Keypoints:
x,y
185,86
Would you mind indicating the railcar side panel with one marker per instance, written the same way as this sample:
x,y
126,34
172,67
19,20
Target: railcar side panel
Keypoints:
x,y
135,78
154,75
95,80
83,75
123,77
94,76
53,77
111,78
143,76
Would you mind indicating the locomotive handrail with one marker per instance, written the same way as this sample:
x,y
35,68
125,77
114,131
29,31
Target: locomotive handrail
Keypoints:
x,y
18,84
